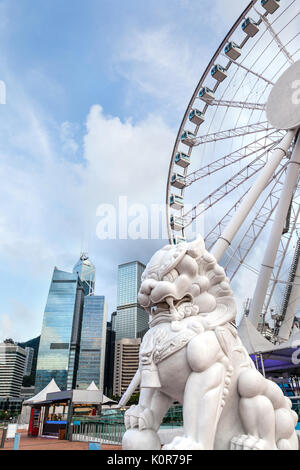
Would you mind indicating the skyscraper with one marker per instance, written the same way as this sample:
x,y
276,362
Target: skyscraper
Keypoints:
x,y
92,344
87,273
131,320
12,364
109,356
126,363
58,350
29,361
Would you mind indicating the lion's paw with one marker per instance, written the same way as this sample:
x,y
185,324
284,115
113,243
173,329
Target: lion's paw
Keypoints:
x,y
138,417
247,442
182,443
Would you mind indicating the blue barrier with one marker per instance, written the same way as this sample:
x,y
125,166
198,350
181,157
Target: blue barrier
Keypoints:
x,y
94,446
17,441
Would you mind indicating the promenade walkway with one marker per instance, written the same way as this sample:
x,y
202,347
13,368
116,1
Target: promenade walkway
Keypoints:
x,y
41,443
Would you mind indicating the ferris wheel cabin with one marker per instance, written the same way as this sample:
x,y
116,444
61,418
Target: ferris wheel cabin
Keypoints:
x,y
178,181
206,94
233,51
176,223
196,117
182,160
219,73
270,5
176,202
177,240
250,27
187,138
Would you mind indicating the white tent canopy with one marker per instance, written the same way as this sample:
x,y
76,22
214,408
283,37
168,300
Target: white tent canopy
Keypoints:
x,y
41,396
254,342
92,386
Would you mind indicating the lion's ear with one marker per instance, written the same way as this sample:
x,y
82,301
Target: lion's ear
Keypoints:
x,y
196,248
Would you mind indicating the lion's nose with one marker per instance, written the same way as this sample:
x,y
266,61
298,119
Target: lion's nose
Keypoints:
x,y
147,286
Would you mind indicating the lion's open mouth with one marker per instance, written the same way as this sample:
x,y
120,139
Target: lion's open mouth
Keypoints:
x,y
170,305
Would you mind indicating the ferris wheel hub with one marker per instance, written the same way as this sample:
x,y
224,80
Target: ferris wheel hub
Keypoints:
x,y
283,106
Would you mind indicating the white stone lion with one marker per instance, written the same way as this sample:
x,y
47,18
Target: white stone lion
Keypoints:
x,y
192,355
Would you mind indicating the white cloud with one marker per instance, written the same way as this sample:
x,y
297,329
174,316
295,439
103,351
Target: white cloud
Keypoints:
x,y
67,135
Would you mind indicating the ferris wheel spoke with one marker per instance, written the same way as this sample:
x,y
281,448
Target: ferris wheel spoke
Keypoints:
x,y
238,104
230,133
242,66
228,187
276,38
255,228
234,157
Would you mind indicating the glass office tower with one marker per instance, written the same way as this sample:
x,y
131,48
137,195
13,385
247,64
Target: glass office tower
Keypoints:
x,y
87,273
92,344
131,320
58,351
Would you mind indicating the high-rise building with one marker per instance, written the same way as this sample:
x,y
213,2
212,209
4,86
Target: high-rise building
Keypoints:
x,y
29,361
85,269
109,357
59,343
34,343
126,363
131,320
12,364
92,345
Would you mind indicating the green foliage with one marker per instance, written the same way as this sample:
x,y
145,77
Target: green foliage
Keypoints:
x,y
134,399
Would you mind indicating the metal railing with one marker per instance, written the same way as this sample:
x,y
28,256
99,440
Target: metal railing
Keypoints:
x,y
105,433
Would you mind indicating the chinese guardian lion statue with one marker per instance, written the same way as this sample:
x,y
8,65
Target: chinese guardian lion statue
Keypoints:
x,y
192,354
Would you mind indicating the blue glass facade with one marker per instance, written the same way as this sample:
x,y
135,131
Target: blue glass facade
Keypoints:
x,y
129,283
131,320
92,344
87,273
54,349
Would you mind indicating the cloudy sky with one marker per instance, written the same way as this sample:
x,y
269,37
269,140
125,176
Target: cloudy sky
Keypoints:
x,y
96,90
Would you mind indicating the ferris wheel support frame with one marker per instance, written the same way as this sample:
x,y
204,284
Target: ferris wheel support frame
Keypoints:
x,y
267,265
247,204
287,324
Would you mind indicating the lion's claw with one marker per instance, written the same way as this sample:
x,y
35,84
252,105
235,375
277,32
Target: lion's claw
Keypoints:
x,y
139,417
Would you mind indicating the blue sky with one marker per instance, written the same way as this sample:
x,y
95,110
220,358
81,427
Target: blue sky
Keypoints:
x,y
96,90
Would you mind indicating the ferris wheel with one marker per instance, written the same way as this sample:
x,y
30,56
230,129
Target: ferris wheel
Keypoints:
x,y
236,159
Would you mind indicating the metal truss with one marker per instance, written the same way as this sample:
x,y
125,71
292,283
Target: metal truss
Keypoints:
x,y
230,133
233,157
228,187
255,228
281,256
276,38
238,104
242,66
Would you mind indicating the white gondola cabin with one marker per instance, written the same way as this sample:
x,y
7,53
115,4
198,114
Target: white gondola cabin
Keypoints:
x,y
233,51
219,73
176,202
182,160
177,240
206,94
178,181
177,223
196,117
250,27
187,138
270,5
